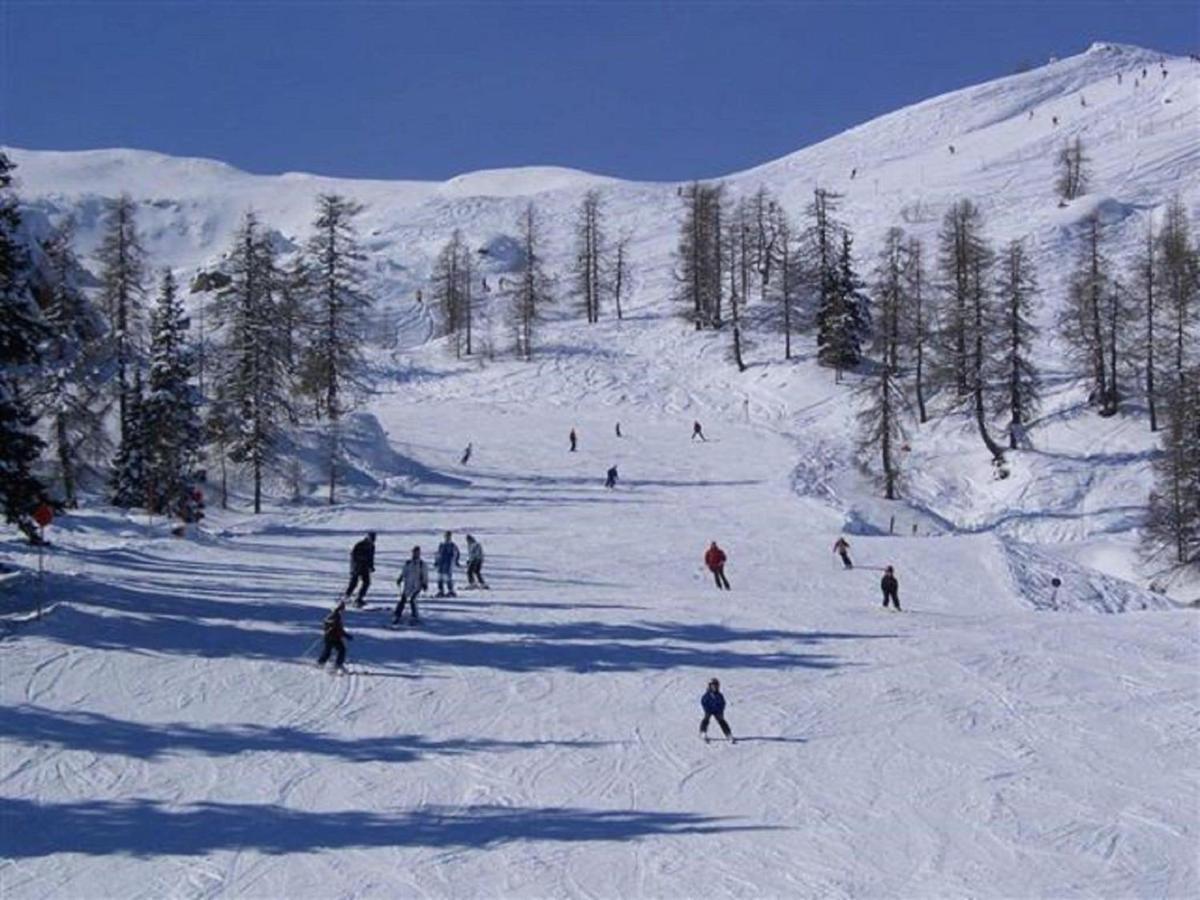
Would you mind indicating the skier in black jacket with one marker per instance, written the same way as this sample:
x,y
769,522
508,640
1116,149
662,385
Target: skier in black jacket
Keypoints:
x,y
362,564
890,587
335,638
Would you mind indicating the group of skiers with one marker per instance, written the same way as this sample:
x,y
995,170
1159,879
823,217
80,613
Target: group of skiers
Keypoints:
x,y
412,581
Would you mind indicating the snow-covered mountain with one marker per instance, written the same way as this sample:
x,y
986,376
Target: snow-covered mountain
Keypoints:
x,y
998,739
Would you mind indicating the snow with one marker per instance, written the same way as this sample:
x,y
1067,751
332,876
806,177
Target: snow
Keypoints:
x,y
166,734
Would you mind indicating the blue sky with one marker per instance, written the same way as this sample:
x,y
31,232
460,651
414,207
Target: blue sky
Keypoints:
x,y
664,91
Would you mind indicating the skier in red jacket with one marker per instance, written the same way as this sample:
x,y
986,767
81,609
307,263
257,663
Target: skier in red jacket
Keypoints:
x,y
715,560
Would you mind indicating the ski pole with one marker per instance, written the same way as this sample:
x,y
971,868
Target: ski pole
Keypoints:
x,y
309,649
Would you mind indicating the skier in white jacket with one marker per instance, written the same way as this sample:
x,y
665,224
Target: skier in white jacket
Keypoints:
x,y
413,579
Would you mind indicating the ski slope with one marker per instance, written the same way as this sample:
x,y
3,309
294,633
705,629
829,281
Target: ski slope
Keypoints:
x,y
165,733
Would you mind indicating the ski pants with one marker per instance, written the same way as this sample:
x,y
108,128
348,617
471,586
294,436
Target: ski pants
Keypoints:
x,y
405,598
720,579
720,721
845,555
359,575
893,596
446,581
475,573
332,644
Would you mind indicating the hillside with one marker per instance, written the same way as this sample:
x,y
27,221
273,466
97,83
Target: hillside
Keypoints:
x,y
166,734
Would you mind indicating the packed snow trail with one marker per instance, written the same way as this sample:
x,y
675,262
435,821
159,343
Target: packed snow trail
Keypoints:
x,y
165,735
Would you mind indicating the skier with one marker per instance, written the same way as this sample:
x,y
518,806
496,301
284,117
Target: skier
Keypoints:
x,y
619,429
714,558
445,561
842,548
362,564
574,439
610,480
698,432
466,457
890,587
713,704
475,564
1054,120
335,638
853,172
951,149
413,579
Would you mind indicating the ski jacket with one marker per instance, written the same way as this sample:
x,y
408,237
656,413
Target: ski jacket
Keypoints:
x,y
713,703
889,585
841,545
475,552
447,556
414,577
362,557
714,558
335,629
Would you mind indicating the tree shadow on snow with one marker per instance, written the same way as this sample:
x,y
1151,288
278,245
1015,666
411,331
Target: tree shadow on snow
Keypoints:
x,y
98,733
143,828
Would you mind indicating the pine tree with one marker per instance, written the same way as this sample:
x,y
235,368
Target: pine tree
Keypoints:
x,y
970,331
916,326
123,292
1083,319
1017,289
174,433
880,421
766,217
617,274
1073,171
1179,275
740,264
530,292
339,304
253,378
587,269
1174,512
75,402
23,333
129,479
698,256
1145,270
787,284
451,289
844,318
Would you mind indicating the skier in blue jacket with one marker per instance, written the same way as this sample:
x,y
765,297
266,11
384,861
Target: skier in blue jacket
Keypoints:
x,y
444,562
713,704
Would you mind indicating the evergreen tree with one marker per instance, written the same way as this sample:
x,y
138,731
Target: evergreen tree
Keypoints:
x,y
129,479
1145,270
970,331
75,402
844,318
339,305
740,264
766,218
530,292
790,276
123,292
587,270
1179,275
1017,289
174,434
915,326
1084,318
698,256
1174,513
253,379
451,287
1073,171
880,421
23,333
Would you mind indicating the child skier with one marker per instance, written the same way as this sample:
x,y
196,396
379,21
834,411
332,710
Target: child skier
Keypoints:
x,y
610,480
713,704
413,579
842,548
475,564
362,564
445,561
714,558
335,638
890,587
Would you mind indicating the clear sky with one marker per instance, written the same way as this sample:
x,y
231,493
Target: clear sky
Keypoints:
x,y
662,91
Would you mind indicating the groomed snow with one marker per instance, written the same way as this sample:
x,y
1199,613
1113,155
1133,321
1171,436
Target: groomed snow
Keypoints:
x,y
165,732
